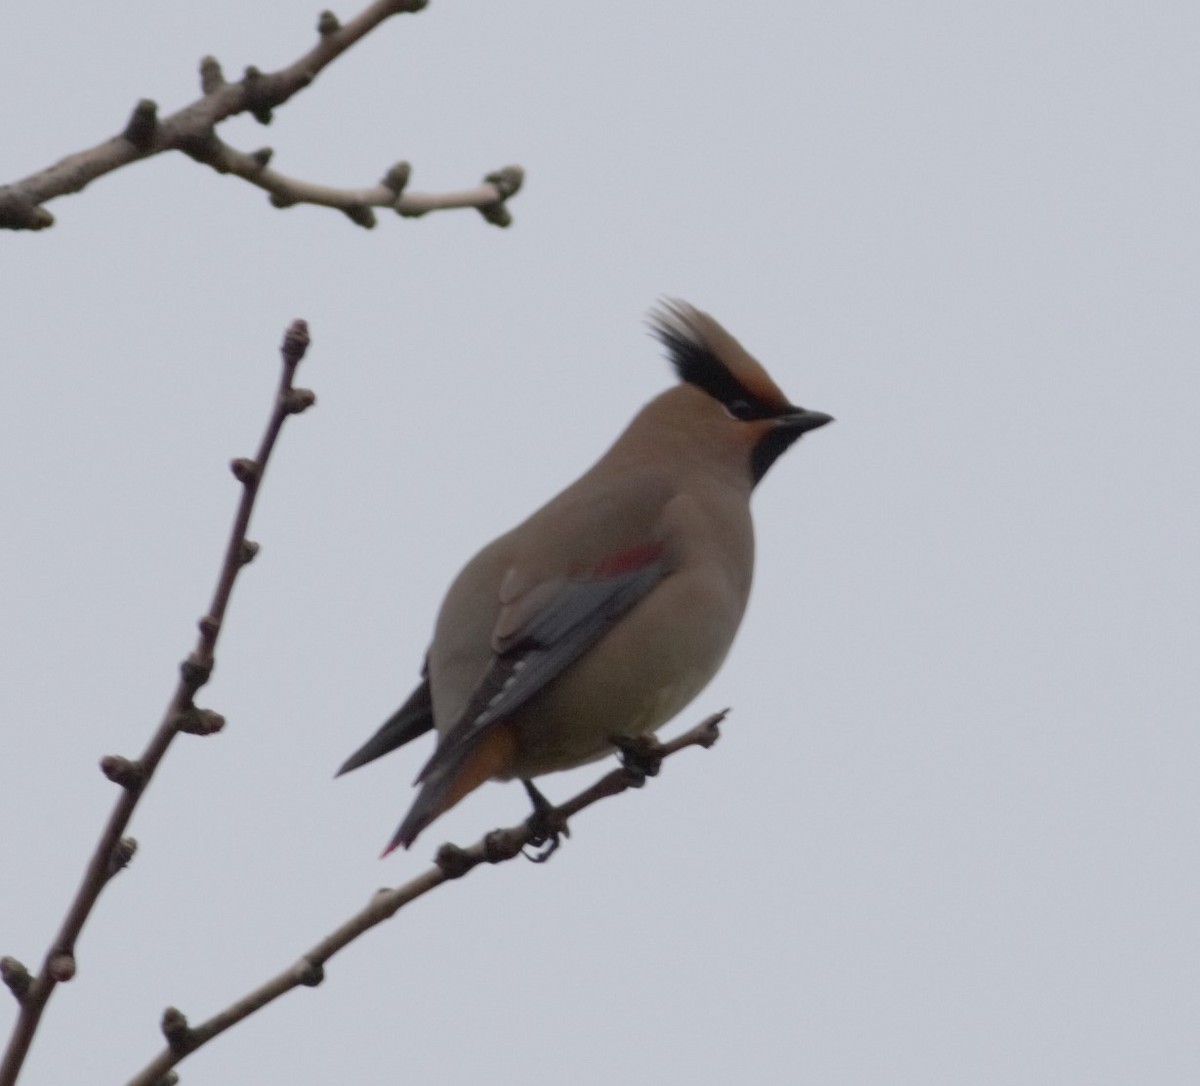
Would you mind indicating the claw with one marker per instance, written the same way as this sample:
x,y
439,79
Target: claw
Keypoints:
x,y
547,826
641,756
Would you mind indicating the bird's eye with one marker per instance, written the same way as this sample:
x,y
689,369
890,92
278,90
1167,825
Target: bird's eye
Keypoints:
x,y
740,409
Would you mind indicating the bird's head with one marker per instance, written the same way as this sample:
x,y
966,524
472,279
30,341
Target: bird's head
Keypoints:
x,y
741,409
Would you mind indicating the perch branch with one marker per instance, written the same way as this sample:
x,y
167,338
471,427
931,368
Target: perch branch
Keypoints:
x,y
114,851
450,863
193,131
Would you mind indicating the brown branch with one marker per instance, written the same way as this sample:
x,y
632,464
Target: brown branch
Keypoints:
x,y
114,851
450,863
489,197
193,131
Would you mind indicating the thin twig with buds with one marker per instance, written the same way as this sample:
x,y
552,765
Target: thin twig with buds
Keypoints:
x,y
114,850
450,863
192,130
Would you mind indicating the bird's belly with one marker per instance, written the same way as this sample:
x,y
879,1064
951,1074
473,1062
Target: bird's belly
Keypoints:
x,y
611,691
549,740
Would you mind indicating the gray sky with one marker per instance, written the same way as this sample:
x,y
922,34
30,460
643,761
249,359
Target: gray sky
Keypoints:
x,y
950,834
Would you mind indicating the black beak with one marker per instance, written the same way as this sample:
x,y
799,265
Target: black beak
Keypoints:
x,y
799,421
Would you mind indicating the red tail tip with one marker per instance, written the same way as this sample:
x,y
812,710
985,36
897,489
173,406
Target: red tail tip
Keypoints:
x,y
394,844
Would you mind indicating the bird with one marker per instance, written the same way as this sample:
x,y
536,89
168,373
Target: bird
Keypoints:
x,y
597,619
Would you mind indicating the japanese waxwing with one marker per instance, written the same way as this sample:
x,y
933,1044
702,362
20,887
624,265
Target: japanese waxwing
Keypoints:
x,y
608,610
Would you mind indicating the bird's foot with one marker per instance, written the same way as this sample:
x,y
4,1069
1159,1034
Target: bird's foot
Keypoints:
x,y
547,826
641,757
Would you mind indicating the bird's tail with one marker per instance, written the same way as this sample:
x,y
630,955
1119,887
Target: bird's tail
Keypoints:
x,y
490,756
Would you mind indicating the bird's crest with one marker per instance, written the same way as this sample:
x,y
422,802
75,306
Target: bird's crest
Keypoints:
x,y
707,356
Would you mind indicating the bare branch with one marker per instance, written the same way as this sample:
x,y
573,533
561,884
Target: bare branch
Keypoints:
x,y
114,851
192,130
450,863
489,197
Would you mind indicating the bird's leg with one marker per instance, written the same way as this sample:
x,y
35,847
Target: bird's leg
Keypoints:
x,y
547,826
641,756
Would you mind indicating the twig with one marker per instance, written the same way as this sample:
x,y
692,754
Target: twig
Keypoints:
x,y
193,131
114,851
450,863
489,197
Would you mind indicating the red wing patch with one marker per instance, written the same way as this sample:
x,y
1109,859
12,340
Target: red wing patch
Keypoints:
x,y
625,562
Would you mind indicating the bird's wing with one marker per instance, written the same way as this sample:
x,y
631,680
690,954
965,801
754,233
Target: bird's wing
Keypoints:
x,y
413,718
539,633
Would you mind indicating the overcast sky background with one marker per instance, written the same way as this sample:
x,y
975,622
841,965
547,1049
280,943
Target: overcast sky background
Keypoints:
x,y
950,835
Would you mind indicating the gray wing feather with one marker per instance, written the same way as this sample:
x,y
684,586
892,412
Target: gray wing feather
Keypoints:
x,y
413,718
577,616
